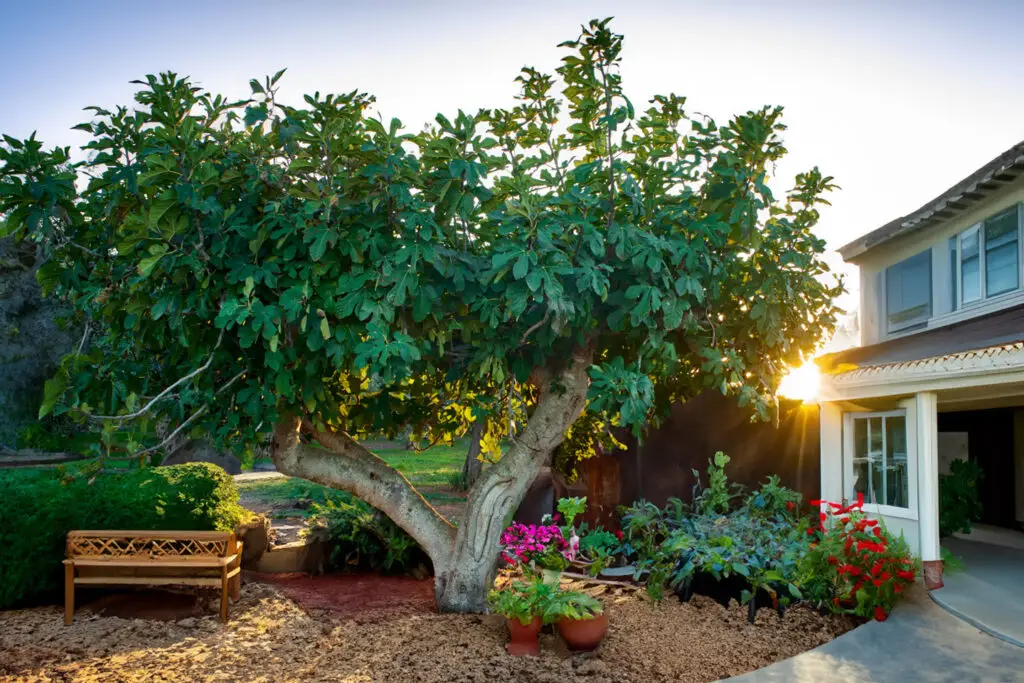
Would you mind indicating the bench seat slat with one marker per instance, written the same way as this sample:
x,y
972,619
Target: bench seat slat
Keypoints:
x,y
186,561
156,580
147,580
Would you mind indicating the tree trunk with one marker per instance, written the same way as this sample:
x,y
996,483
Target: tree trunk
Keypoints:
x,y
472,467
464,559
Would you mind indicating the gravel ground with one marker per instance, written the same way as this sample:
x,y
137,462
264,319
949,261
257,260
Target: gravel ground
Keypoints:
x,y
271,638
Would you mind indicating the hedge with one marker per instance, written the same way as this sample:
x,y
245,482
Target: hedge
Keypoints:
x,y
39,507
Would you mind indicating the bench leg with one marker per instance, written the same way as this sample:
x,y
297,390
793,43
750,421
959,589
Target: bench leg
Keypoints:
x,y
224,594
69,592
236,587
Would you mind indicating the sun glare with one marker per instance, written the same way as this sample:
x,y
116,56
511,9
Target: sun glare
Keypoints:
x,y
801,383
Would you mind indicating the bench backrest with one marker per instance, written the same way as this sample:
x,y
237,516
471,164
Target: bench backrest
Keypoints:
x,y
150,544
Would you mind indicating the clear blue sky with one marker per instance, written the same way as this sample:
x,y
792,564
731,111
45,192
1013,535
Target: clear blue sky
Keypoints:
x,y
897,100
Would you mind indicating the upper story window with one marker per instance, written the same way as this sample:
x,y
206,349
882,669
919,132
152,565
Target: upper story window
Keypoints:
x,y
988,258
908,292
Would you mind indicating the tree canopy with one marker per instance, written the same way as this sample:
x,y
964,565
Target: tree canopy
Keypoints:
x,y
331,264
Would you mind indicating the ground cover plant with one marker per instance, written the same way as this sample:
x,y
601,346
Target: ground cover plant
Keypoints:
x,y
762,549
310,269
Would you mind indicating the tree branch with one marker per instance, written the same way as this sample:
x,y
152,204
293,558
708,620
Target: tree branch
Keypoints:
x,y
144,409
342,463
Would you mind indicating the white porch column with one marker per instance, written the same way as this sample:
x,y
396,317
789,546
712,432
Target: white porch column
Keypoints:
x,y
926,404
830,418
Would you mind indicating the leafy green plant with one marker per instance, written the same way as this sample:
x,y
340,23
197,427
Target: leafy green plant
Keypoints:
x,y
772,498
522,600
959,501
571,508
761,542
40,507
718,496
565,604
360,537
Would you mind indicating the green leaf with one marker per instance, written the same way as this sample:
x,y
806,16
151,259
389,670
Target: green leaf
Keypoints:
x,y
522,265
325,328
53,389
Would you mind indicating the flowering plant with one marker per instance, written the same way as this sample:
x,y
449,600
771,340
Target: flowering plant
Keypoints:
x,y
862,567
542,546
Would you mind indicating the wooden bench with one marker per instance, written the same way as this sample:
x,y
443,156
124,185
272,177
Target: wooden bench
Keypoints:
x,y
182,558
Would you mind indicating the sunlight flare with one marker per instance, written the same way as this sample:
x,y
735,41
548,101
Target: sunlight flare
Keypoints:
x,y
801,383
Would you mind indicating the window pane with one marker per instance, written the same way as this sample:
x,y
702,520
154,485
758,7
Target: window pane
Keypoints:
x,y
1001,269
1001,261
875,463
897,492
970,266
908,291
860,457
970,287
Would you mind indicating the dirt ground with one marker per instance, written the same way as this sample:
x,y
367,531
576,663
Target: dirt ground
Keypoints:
x,y
271,638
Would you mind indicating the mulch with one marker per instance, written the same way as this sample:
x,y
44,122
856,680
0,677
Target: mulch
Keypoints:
x,y
366,638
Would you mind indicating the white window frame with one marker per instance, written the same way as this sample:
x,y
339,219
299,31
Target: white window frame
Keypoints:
x,y
979,227
908,412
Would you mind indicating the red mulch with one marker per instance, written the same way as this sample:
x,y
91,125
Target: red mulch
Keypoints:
x,y
355,595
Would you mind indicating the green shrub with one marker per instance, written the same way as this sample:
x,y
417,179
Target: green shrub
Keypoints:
x,y
361,537
39,507
756,541
959,504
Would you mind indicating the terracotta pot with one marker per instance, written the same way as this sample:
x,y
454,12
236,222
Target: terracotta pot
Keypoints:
x,y
583,634
523,639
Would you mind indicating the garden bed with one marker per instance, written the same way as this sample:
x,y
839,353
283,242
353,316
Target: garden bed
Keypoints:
x,y
272,638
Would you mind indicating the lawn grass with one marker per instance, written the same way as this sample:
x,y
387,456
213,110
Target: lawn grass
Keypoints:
x,y
432,468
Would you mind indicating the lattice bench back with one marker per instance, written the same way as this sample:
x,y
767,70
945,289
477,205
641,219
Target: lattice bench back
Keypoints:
x,y
149,544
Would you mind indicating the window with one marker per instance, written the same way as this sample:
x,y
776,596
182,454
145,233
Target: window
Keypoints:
x,y
989,258
880,468
908,292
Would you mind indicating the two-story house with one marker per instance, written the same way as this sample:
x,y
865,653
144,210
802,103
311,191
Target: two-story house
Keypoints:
x,y
939,374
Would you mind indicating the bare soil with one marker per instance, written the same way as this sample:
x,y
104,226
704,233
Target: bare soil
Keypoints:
x,y
272,638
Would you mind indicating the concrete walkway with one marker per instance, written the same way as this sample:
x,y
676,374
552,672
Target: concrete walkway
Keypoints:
x,y
989,591
920,642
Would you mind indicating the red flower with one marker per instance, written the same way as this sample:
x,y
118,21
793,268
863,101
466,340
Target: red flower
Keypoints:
x,y
790,505
832,559
860,500
905,575
880,614
618,534
898,588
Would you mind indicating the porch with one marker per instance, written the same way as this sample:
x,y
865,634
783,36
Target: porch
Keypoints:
x,y
986,591
891,427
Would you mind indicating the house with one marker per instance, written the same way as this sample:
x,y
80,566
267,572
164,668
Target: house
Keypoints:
x,y
939,374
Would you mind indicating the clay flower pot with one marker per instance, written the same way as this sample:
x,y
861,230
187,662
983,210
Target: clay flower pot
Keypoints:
x,y
583,634
523,639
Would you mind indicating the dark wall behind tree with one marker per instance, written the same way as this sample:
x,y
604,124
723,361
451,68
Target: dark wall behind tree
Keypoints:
x,y
31,340
661,467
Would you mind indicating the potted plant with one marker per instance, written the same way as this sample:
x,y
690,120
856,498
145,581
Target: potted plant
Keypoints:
x,y
522,604
579,618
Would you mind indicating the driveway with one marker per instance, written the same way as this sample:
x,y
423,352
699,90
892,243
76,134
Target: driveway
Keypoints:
x,y
920,642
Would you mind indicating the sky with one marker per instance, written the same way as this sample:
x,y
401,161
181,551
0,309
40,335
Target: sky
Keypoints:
x,y
897,100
